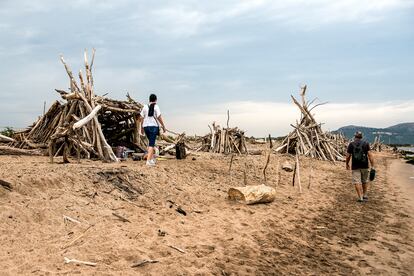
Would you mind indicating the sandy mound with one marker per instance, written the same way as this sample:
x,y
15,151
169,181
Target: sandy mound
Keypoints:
x,y
182,204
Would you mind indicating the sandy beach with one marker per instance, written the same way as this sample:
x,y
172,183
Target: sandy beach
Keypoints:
x,y
321,231
402,175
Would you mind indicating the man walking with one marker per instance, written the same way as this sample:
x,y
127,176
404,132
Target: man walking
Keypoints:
x,y
361,154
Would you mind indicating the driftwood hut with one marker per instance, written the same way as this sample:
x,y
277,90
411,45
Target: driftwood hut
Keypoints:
x,y
307,137
224,140
85,124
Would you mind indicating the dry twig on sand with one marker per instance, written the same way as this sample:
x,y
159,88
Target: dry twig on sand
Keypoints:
x,y
67,261
177,248
143,262
121,218
78,237
6,185
66,218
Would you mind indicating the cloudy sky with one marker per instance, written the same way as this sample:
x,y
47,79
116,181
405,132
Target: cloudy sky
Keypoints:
x,y
205,57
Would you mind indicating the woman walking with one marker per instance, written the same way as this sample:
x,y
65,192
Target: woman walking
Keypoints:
x,y
152,120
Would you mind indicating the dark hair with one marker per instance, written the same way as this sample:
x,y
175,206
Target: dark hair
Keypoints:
x,y
358,135
152,99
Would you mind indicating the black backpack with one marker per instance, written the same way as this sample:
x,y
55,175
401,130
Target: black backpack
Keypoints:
x,y
358,154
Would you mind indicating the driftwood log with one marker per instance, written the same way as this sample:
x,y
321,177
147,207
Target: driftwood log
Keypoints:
x,y
6,150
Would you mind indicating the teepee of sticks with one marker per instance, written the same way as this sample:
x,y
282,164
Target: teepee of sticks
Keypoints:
x,y
307,137
85,124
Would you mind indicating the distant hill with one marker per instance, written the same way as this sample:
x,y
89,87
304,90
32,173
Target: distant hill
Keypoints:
x,y
398,134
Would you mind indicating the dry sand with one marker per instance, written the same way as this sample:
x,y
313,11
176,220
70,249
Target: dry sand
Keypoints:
x,y
402,175
322,231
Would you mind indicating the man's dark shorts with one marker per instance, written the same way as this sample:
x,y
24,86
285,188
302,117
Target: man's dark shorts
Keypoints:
x,y
151,132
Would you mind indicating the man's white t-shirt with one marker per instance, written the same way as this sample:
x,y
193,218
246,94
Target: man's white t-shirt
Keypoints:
x,y
150,121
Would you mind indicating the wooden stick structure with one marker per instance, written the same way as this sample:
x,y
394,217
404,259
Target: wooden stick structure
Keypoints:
x,y
265,166
224,140
86,125
307,137
267,159
378,145
297,167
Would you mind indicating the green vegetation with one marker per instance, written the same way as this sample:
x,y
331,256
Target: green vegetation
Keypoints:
x,y
7,131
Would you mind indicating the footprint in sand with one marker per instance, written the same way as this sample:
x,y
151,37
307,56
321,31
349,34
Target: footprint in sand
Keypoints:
x,y
363,263
368,252
391,247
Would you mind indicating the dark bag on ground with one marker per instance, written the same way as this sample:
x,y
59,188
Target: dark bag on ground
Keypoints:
x,y
180,152
372,174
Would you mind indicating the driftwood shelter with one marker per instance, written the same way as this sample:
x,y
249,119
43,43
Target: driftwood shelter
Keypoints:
x,y
307,137
224,140
85,124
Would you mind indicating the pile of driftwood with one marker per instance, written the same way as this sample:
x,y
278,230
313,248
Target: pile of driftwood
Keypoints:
x,y
377,145
224,140
338,141
85,125
307,137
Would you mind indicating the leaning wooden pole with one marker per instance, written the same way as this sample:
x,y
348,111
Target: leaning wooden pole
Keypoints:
x,y
6,138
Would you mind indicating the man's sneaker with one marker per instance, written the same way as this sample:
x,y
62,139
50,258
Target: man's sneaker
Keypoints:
x,y
365,198
360,200
150,162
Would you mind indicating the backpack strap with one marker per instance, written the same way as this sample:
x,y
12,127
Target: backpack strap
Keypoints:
x,y
155,117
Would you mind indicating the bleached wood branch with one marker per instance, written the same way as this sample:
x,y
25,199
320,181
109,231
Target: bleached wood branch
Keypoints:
x,y
66,218
67,261
177,248
85,120
6,138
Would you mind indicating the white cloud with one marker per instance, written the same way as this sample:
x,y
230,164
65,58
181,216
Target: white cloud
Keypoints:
x,y
191,19
185,55
262,118
178,21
